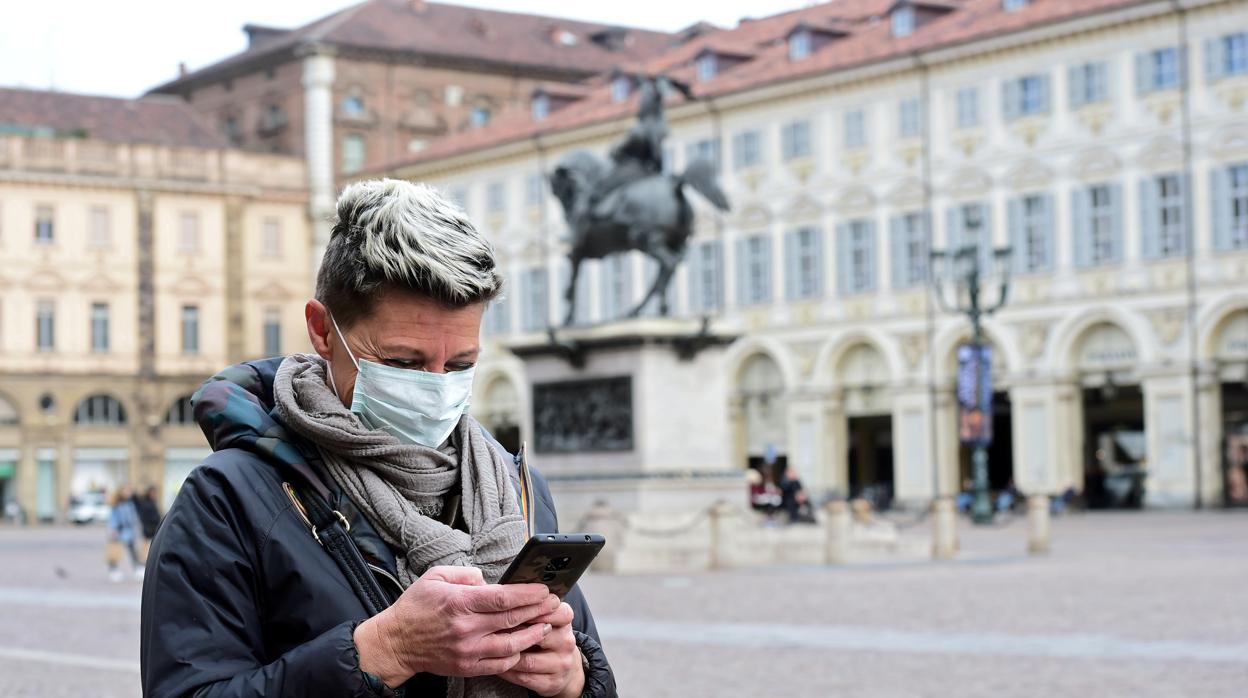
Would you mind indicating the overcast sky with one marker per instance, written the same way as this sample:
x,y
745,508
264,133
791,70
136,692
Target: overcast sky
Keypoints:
x,y
123,47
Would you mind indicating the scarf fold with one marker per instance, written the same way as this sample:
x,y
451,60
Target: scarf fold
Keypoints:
x,y
401,488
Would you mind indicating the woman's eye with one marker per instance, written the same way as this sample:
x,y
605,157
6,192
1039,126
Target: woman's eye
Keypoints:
x,y
401,363
453,368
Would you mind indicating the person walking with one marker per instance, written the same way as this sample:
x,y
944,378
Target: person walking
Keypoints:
x,y
123,533
346,536
149,517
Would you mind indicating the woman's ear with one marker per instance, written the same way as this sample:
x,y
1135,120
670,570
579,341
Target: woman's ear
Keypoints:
x,y
319,328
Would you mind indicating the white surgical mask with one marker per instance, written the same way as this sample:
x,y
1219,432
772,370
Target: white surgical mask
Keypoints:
x,y
415,406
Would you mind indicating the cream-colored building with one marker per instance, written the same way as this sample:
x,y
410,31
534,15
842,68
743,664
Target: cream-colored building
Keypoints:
x,y
856,135
138,255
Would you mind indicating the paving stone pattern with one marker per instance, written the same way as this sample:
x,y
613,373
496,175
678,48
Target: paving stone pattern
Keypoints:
x,y
1132,605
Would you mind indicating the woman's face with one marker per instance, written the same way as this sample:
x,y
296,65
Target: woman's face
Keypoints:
x,y
404,330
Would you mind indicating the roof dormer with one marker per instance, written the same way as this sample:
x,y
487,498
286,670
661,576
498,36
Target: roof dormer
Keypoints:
x,y
906,16
548,99
806,38
712,61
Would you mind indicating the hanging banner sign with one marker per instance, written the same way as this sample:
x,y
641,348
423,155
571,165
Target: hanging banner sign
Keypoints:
x,y
975,394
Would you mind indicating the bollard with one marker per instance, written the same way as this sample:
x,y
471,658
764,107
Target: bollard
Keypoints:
x,y
1038,524
836,525
944,530
714,561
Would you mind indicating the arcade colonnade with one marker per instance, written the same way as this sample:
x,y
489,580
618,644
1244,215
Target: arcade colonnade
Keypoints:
x,y
1098,390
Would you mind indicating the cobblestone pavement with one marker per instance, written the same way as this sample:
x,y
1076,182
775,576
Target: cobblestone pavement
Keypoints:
x,y
1133,605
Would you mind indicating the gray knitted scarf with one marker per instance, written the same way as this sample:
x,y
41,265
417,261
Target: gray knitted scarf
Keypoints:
x,y
400,487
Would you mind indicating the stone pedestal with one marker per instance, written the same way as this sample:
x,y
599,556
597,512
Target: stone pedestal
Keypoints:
x,y
634,415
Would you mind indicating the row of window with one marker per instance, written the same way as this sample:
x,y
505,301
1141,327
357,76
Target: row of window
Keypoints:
x,y
100,230
1088,83
45,328
1096,232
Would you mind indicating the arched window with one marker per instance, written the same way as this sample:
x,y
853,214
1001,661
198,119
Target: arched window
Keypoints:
x,y
100,410
181,412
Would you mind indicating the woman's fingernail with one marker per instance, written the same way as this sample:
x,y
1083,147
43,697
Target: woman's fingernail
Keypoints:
x,y
546,629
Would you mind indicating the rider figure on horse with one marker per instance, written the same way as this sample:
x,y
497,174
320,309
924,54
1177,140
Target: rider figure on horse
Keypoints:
x,y
640,154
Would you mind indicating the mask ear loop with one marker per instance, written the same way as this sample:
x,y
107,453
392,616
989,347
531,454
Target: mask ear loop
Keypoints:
x,y
329,370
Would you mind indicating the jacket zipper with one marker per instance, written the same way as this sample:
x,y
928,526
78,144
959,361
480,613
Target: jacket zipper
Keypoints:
x,y
386,575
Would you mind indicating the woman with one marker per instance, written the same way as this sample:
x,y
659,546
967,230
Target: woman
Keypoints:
x,y
123,532
363,454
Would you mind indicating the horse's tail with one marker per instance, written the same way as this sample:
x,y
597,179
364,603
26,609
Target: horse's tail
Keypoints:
x,y
700,174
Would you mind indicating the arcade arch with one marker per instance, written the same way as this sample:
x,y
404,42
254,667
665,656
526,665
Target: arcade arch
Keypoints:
x,y
1112,461
760,389
862,377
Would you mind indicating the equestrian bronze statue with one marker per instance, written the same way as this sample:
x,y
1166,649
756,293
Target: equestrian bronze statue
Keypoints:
x,y
630,203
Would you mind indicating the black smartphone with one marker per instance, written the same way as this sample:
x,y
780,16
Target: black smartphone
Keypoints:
x,y
554,559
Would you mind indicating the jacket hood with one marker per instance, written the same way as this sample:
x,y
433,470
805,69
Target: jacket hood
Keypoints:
x,y
235,409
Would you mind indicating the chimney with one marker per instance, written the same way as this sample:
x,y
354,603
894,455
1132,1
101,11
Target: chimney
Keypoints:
x,y
182,71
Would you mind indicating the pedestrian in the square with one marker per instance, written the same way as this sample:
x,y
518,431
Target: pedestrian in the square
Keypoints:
x,y
123,534
146,506
347,534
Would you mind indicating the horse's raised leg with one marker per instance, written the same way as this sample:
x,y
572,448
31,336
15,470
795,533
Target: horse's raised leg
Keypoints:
x,y
668,261
570,293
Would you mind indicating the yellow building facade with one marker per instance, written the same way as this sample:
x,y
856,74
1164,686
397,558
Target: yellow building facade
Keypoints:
x,y
130,272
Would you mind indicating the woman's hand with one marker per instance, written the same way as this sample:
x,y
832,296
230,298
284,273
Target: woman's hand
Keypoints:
x,y
553,667
451,623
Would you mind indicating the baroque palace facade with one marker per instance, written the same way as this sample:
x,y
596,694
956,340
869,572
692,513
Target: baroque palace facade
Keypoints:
x,y
1105,141
140,255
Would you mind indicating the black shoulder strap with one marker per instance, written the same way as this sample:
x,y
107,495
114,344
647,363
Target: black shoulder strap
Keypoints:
x,y
332,530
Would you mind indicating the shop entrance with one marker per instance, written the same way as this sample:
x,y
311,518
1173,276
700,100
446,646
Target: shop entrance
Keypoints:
x,y
1235,450
1115,448
871,459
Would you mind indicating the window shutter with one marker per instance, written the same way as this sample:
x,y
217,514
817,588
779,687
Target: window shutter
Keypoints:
x,y
1143,73
791,265
1044,93
765,261
1215,59
816,250
1010,97
1017,240
1080,227
742,269
925,263
843,259
716,265
1185,215
1075,78
1046,228
897,251
1220,207
873,263
1116,225
1149,219
1104,87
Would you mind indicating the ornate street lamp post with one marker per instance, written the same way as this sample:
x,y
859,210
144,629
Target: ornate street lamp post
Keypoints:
x,y
961,271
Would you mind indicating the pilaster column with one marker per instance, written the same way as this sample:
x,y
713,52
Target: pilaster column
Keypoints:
x,y
318,130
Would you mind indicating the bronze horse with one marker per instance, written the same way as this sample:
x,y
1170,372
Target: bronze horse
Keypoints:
x,y
649,213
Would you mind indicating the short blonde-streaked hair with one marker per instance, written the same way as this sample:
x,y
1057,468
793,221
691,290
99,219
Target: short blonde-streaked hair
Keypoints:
x,y
393,234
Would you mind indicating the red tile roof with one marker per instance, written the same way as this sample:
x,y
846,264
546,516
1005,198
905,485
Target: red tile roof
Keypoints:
x,y
451,31
159,120
869,41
